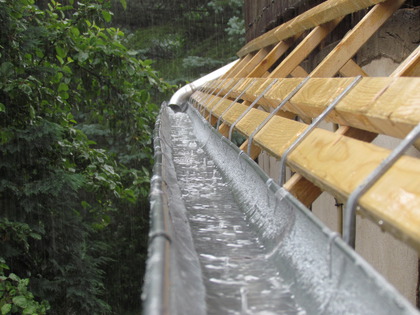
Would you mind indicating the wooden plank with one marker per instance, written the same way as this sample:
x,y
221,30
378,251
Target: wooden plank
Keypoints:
x,y
255,150
238,66
357,134
256,90
244,83
206,88
355,106
316,95
333,163
203,99
265,39
305,47
352,69
389,106
323,13
233,113
349,69
305,190
248,84
278,134
381,92
271,58
259,56
302,189
224,129
372,111
410,67
221,107
205,95
197,96
340,60
226,86
280,90
399,105
355,38
251,121
221,91
299,72
213,103
296,184
247,125
212,120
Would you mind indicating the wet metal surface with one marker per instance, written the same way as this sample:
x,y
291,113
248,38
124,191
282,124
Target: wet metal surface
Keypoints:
x,y
238,277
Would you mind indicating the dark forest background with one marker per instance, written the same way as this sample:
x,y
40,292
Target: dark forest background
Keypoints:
x,y
185,39
80,84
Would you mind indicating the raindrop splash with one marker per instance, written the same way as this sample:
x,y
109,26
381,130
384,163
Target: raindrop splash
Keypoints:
x,y
237,276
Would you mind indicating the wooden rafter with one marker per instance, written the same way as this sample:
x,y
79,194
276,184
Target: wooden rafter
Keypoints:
x,y
323,13
326,160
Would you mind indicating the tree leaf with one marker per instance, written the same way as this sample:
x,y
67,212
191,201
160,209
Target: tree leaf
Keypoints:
x,y
63,87
82,56
6,308
106,15
60,51
6,68
20,301
75,31
31,112
35,236
14,277
110,169
124,4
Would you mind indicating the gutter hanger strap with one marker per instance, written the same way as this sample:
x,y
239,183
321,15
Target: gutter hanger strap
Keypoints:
x,y
349,234
220,84
236,99
205,87
195,102
250,107
311,127
274,112
225,96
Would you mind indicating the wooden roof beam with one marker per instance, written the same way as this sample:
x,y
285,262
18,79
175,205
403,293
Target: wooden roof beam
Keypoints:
x,y
356,38
387,105
410,67
387,200
323,13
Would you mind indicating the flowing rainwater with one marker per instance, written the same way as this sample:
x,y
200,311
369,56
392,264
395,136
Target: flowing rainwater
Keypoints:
x,y
238,277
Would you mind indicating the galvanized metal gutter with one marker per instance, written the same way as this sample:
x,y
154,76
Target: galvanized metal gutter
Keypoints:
x,y
181,96
157,293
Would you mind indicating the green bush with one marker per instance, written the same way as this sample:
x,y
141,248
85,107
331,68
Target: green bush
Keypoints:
x,y
76,120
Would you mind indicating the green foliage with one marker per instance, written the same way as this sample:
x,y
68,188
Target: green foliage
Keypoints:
x,y
236,30
203,64
75,130
15,296
76,119
186,39
236,25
